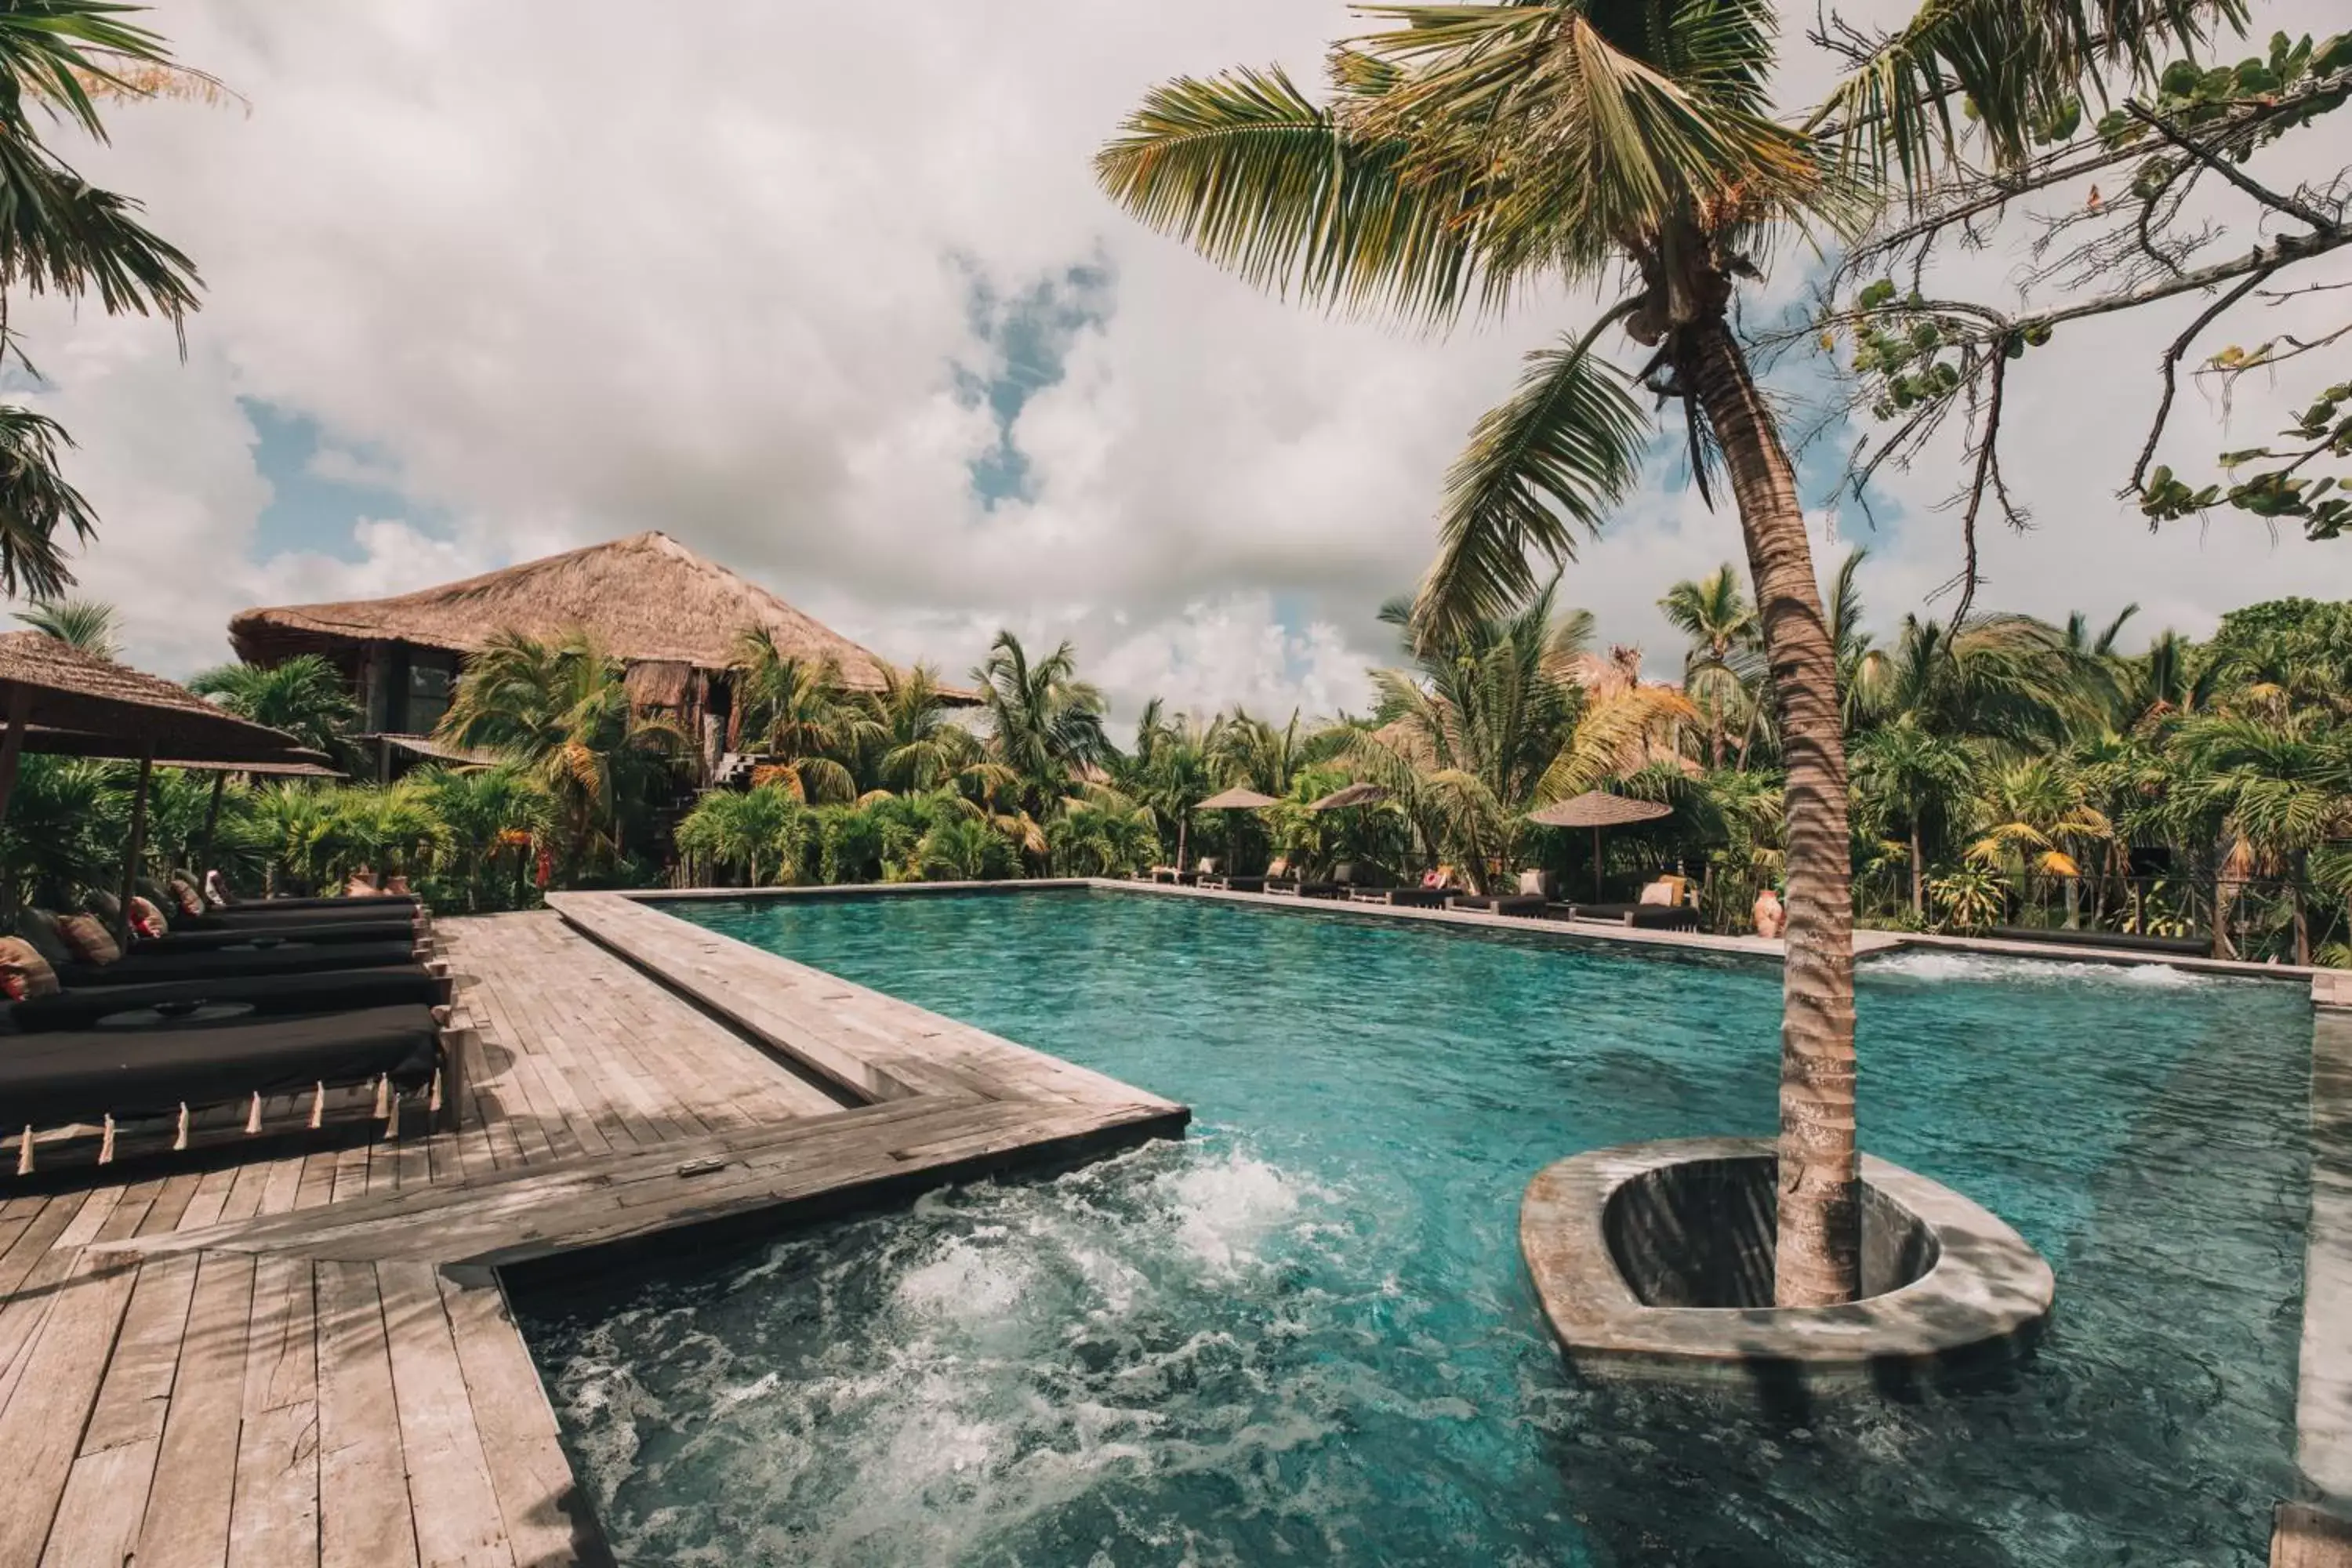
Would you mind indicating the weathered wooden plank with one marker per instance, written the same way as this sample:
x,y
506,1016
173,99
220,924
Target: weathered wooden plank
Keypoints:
x,y
547,1520
364,1506
105,1500
188,1507
456,1507
276,1521
137,1391
40,1431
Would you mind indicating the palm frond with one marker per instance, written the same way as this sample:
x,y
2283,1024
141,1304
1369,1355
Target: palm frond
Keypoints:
x,y
1998,72
1557,456
1248,171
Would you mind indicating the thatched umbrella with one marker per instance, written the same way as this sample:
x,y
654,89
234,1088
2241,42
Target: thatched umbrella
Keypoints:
x,y
1241,797
57,699
1358,793
1596,809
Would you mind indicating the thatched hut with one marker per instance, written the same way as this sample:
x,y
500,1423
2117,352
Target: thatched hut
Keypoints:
x,y
670,616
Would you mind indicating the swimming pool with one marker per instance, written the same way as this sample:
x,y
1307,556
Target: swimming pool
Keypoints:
x,y
1306,1333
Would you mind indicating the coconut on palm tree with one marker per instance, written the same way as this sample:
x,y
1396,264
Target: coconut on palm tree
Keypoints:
x,y
1471,150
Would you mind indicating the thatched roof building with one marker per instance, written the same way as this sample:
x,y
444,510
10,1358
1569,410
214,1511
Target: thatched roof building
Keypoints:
x,y
670,616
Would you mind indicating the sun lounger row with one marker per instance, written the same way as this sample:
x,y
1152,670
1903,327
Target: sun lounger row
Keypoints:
x,y
224,1006
1667,903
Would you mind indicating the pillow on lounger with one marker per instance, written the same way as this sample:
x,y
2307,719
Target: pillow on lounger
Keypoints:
x,y
103,904
87,938
146,920
39,928
1535,884
1660,892
23,970
185,894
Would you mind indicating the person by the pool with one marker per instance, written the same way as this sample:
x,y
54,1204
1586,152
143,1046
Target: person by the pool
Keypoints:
x,y
1772,917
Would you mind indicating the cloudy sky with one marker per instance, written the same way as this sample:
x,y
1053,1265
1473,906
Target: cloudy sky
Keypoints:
x,y
828,293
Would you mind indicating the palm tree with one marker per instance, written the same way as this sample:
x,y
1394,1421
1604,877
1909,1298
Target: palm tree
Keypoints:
x,y
562,711
2038,815
2280,787
1911,777
93,625
798,713
1471,150
1476,149
1044,724
1101,832
65,237
964,849
1170,773
921,746
1494,722
760,830
305,696
495,818
1862,665
1720,670
1949,708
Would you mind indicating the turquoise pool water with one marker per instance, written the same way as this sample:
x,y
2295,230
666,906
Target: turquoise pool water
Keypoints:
x,y
1305,1335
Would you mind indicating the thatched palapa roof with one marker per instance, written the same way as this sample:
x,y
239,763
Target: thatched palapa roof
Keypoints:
x,y
1595,808
647,599
1241,797
77,704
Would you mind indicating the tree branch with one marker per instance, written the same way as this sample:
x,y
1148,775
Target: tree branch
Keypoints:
x,y
2302,212
2205,319
1987,472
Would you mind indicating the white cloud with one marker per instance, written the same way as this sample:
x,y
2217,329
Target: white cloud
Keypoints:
x,y
563,276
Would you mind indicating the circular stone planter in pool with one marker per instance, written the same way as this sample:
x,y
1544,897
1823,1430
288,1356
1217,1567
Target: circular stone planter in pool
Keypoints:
x,y
1656,1260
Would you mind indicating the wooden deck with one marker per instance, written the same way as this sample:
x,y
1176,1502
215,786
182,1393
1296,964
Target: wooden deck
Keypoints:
x,y
307,1359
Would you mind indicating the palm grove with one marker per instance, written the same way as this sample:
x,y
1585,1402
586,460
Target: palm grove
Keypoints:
x,y
1461,155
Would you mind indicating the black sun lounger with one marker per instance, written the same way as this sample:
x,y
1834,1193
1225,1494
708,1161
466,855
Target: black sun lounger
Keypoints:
x,y
178,941
374,902
268,995
2109,941
1645,917
246,917
1501,903
290,958
76,1076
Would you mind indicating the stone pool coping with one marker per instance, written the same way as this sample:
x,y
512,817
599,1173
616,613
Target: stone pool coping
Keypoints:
x,y
1984,1299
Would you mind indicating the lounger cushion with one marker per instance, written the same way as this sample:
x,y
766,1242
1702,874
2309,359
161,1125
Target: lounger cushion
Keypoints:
x,y
80,1076
40,928
144,968
380,901
27,973
269,996
310,931
146,919
247,917
187,896
87,938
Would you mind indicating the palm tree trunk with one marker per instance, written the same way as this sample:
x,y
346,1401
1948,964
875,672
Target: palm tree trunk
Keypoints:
x,y
1819,1261
2295,873
1919,874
